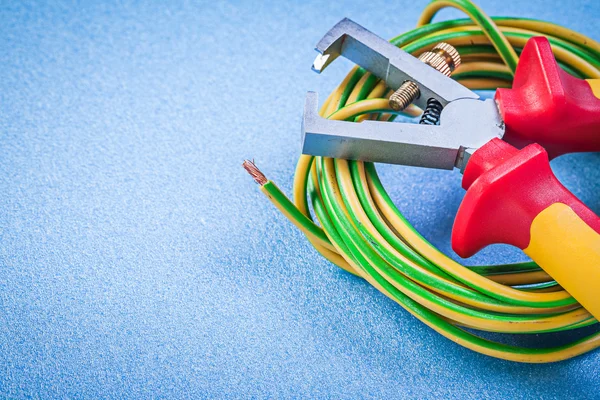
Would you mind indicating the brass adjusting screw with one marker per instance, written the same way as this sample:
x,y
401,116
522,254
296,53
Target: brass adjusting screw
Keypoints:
x,y
443,57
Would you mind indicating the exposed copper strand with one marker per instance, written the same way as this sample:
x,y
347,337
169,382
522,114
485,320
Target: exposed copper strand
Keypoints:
x,y
253,170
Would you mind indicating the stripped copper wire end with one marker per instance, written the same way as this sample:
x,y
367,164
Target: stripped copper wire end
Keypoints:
x,y
253,170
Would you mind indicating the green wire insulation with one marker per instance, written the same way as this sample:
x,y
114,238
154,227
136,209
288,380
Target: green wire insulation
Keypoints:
x,y
408,278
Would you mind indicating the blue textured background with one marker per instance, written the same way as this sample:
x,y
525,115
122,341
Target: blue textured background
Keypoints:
x,y
139,260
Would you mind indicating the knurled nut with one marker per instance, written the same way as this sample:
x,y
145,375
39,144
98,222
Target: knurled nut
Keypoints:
x,y
443,57
450,51
436,61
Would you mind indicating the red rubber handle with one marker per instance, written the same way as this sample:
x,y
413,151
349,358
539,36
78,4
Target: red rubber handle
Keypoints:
x,y
546,105
513,197
507,189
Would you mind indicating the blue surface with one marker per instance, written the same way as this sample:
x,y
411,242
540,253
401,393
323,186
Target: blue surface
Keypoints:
x,y
139,260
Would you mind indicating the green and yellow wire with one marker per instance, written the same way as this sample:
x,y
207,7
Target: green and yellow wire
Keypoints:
x,y
357,226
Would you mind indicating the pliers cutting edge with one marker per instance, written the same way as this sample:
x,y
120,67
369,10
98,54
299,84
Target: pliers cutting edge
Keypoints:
x,y
503,147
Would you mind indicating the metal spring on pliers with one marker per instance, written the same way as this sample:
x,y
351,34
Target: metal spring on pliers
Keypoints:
x,y
431,115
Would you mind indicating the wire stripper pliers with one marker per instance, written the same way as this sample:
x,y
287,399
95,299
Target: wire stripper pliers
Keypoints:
x,y
502,146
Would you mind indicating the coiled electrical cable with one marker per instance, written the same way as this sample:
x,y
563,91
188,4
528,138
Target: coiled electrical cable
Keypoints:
x,y
357,226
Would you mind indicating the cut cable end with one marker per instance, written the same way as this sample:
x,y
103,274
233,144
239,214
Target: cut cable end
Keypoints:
x,y
253,170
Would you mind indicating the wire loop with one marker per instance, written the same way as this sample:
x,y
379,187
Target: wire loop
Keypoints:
x,y
359,228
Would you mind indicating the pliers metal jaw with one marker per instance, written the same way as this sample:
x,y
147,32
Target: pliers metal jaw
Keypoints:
x,y
465,125
466,122
386,61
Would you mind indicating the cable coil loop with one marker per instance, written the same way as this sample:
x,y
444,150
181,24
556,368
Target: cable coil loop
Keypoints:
x,y
357,226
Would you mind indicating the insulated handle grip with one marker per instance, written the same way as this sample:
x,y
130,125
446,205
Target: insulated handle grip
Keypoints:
x,y
568,249
514,198
595,86
546,105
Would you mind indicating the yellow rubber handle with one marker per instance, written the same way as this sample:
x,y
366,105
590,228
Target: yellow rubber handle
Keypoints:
x,y
595,85
569,250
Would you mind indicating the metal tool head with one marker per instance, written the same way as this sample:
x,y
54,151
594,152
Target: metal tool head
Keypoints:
x,y
466,121
465,125
387,62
